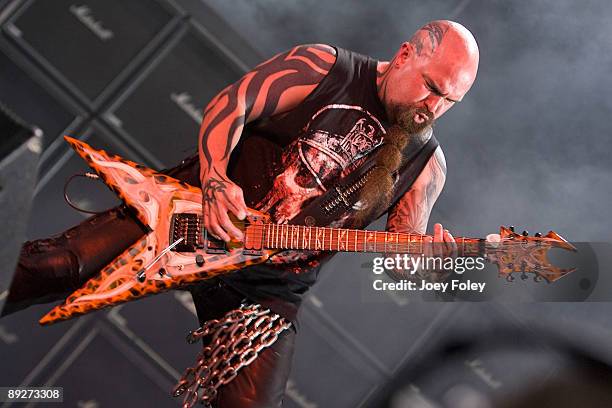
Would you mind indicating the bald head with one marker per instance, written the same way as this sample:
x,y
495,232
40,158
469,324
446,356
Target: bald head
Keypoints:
x,y
430,72
432,35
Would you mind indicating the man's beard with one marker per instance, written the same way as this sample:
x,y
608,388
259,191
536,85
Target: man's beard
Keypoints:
x,y
378,190
404,117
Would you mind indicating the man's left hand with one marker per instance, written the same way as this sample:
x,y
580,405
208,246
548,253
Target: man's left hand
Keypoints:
x,y
443,243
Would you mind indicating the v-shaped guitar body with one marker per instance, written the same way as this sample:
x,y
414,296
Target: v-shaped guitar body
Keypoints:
x,y
171,209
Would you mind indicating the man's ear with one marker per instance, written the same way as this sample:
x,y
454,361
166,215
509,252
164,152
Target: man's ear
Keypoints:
x,y
405,52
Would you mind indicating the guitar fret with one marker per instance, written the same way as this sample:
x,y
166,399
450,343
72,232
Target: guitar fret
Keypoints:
x,y
303,233
341,234
318,233
301,228
324,237
375,241
283,235
277,228
409,242
347,236
309,237
296,239
386,239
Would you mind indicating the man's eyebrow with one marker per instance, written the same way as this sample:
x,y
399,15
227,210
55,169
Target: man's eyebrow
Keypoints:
x,y
436,89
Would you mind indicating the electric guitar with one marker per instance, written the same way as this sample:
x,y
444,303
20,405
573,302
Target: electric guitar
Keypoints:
x,y
178,251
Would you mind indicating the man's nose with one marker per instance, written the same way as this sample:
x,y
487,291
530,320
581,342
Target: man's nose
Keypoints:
x,y
433,102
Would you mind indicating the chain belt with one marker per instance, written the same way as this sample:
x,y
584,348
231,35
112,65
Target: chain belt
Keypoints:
x,y
236,340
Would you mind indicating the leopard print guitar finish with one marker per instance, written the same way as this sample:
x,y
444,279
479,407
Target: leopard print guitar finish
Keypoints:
x,y
154,197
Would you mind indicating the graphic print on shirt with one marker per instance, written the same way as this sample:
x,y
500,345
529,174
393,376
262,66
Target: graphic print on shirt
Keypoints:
x,y
333,142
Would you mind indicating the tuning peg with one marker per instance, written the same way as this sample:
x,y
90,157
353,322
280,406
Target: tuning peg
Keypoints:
x,y
511,228
537,234
525,233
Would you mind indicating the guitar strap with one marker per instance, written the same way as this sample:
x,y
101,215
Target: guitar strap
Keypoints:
x,y
336,201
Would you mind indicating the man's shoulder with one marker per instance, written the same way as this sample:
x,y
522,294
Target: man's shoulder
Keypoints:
x,y
434,172
438,159
318,48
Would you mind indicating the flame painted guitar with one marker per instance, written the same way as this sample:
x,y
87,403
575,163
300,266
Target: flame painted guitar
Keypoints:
x,y
178,252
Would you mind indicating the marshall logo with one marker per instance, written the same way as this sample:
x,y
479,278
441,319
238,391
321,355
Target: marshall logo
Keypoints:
x,y
84,15
184,101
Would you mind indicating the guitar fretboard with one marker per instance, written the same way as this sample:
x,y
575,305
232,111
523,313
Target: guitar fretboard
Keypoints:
x,y
301,237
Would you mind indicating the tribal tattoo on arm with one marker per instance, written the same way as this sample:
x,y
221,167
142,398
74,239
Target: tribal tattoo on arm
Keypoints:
x,y
275,86
411,213
271,88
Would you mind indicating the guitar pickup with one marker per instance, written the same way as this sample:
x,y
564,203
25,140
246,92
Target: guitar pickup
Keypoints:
x,y
213,245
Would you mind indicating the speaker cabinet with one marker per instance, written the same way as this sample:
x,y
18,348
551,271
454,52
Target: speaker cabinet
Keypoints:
x,y
89,45
163,112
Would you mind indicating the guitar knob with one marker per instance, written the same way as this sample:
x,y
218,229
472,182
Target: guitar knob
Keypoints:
x,y
141,275
525,233
511,228
538,234
199,260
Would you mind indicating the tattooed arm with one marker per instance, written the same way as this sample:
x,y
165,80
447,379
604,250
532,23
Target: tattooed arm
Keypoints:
x,y
273,87
412,211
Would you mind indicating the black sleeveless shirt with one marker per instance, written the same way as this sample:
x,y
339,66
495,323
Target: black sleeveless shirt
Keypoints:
x,y
283,162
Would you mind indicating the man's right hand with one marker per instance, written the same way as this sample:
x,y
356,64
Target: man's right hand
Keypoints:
x,y
220,195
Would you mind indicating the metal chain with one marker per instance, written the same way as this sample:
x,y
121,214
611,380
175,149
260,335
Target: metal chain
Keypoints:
x,y
236,340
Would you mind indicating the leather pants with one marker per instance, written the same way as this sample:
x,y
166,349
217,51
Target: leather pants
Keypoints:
x,y
49,269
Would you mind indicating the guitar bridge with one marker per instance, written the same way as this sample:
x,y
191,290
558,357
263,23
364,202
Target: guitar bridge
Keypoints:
x,y
187,226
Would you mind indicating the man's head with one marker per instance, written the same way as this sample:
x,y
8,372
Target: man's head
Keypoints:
x,y
429,74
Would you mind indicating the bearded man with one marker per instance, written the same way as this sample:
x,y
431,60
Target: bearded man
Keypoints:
x,y
276,139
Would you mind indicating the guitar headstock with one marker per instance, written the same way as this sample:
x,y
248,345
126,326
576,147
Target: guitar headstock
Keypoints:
x,y
524,254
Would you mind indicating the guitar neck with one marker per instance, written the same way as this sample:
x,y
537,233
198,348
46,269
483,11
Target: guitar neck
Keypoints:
x,y
286,236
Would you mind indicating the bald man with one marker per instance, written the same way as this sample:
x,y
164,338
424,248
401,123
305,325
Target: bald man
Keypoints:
x,y
276,139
